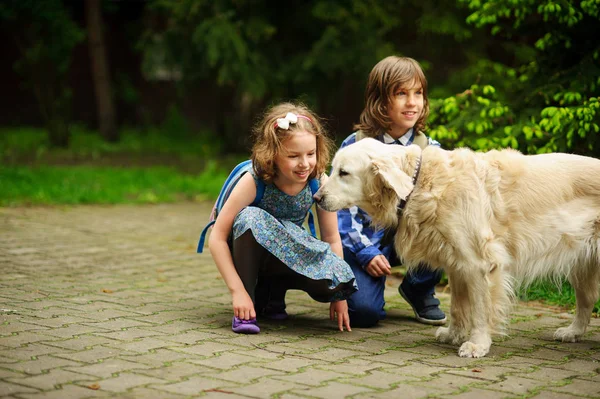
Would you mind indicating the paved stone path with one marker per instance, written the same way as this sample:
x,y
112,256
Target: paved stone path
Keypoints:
x,y
114,302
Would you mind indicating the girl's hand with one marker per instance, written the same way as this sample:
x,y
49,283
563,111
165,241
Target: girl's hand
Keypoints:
x,y
339,309
243,308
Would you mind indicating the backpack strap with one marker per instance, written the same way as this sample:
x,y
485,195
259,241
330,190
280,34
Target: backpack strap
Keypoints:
x,y
421,140
203,236
260,191
360,135
314,187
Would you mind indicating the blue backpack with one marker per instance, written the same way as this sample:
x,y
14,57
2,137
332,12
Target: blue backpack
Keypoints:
x,y
230,183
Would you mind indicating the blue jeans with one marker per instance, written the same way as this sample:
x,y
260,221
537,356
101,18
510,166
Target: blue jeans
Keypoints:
x,y
366,305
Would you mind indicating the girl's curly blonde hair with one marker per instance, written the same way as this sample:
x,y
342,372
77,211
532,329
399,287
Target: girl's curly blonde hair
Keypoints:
x,y
386,77
268,139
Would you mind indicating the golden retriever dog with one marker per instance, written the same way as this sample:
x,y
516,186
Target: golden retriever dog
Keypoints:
x,y
490,220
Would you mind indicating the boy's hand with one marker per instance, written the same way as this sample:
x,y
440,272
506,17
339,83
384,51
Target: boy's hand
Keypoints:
x,y
379,266
243,308
339,309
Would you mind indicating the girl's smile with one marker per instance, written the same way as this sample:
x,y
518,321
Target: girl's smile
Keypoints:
x,y
296,161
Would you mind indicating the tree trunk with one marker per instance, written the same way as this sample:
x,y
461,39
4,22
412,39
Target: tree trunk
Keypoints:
x,y
104,101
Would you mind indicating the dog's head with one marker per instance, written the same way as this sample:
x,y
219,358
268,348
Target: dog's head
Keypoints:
x,y
370,174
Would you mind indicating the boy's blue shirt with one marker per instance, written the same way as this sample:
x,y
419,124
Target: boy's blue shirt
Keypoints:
x,y
355,225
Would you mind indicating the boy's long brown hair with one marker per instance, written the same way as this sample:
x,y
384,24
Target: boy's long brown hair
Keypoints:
x,y
386,77
268,139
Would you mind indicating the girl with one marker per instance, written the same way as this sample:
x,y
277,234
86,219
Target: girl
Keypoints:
x,y
396,110
261,251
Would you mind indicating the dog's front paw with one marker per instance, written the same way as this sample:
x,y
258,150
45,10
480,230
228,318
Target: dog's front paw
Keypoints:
x,y
567,334
469,349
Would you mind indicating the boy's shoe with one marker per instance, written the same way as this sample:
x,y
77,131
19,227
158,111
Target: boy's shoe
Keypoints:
x,y
275,310
244,326
427,308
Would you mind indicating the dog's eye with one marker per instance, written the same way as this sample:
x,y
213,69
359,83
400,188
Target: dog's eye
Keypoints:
x,y
343,173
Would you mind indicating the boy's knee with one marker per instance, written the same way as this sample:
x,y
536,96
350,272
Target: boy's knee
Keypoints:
x,y
364,316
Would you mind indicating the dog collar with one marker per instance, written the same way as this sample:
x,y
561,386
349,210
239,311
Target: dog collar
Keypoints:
x,y
403,202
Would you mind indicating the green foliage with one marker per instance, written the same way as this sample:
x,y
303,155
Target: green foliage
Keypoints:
x,y
45,45
546,99
32,144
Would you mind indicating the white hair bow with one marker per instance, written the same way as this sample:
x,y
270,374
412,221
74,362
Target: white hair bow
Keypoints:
x,y
284,123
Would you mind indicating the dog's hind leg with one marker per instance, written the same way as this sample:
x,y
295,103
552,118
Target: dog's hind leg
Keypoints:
x,y
458,328
585,282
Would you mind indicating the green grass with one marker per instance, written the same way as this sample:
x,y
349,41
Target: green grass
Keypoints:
x,y
549,293
149,166
54,185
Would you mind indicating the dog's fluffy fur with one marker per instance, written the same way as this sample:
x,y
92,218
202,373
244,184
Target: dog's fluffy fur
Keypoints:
x,y
490,220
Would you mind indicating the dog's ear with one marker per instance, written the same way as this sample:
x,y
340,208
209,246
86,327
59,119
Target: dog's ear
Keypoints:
x,y
392,176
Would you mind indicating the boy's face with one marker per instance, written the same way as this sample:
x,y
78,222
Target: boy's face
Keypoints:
x,y
405,108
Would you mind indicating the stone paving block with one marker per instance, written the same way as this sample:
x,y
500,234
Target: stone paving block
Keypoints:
x,y
451,383
396,357
385,379
267,387
226,360
128,334
177,371
8,327
26,352
91,355
477,393
55,322
40,364
6,373
105,369
9,388
551,374
145,344
158,357
292,363
488,372
350,367
52,379
517,385
247,373
142,393
312,376
196,386
546,394
68,391
332,390
24,338
581,366
73,330
580,387
189,337
80,343
126,381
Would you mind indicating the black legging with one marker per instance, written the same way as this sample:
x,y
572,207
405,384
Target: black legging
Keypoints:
x,y
267,278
